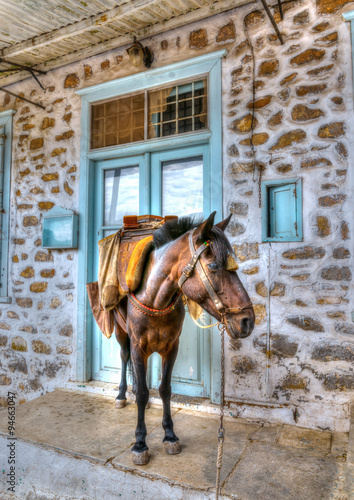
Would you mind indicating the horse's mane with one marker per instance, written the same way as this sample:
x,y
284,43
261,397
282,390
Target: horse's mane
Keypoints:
x,y
175,228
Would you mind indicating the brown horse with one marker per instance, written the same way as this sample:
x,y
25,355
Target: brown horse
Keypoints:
x,y
188,257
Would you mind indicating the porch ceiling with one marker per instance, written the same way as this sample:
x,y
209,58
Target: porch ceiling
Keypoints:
x,y
47,34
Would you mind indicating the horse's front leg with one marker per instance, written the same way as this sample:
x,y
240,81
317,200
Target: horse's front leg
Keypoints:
x,y
170,440
140,449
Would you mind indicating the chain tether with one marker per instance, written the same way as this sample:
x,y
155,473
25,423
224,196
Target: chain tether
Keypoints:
x,y
221,432
194,264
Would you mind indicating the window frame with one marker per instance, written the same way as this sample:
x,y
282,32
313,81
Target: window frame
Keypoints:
x,y
6,123
265,186
145,92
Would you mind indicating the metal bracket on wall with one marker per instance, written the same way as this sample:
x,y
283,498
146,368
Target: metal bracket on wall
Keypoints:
x,y
20,67
272,20
280,10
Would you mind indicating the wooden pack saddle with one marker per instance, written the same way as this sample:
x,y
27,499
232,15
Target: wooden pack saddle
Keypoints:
x,y
135,244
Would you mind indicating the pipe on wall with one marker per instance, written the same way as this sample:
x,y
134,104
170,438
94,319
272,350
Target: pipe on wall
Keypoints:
x,y
268,353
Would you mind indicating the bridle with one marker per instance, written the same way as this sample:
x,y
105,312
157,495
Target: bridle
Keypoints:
x,y
195,264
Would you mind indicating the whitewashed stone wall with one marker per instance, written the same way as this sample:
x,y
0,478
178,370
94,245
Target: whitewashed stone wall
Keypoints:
x,y
303,119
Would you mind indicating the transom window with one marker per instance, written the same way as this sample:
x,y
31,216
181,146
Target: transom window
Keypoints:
x,y
150,114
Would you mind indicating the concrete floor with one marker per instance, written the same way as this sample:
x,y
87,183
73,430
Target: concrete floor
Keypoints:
x,y
73,445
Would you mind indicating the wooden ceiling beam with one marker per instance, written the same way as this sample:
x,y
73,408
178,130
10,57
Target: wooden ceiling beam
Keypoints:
x,y
121,41
75,29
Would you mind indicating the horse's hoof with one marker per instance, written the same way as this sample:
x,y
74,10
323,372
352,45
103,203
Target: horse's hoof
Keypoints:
x,y
140,458
172,448
120,403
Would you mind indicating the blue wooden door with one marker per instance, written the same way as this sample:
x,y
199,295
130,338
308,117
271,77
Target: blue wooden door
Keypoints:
x,y
173,182
117,193
180,180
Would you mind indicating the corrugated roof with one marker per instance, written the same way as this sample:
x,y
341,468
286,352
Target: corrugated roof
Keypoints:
x,y
48,34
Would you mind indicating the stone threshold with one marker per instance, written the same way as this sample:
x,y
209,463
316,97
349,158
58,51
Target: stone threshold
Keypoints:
x,y
76,445
257,412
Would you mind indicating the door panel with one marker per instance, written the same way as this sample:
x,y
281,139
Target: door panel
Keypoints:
x,y
191,373
178,178
117,193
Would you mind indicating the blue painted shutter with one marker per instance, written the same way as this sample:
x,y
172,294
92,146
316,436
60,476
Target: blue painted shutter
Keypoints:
x,y
282,211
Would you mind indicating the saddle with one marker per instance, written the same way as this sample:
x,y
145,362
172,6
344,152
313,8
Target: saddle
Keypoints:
x,y
122,259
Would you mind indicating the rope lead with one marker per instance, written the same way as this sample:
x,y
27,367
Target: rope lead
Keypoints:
x,y
221,431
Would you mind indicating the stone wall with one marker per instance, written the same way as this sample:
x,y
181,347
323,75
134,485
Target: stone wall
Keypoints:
x,y
37,330
301,128
302,120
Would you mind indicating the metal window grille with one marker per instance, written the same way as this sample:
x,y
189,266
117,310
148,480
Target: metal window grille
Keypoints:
x,y
148,115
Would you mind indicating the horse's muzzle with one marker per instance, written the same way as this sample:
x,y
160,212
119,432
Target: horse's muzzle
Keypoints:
x,y
247,325
240,329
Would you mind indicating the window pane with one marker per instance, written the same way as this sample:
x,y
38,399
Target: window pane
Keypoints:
x,y
168,128
177,110
119,121
169,112
185,91
185,125
185,108
121,194
111,108
182,186
97,141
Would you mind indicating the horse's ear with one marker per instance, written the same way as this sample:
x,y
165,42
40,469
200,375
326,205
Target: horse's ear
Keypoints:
x,y
224,223
203,231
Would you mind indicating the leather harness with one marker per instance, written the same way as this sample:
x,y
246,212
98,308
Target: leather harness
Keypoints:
x,y
187,272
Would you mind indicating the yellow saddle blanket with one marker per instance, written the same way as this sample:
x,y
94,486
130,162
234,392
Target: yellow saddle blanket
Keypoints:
x,y
106,294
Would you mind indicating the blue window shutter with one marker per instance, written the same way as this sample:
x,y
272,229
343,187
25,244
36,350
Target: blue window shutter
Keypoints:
x,y
282,211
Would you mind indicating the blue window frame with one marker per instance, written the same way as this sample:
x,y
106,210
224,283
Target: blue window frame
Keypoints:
x,y
5,176
282,210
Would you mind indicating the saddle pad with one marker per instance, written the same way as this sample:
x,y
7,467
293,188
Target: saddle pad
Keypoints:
x,y
104,319
137,262
108,284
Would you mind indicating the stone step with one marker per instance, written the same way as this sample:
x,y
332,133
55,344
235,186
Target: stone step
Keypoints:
x,y
76,445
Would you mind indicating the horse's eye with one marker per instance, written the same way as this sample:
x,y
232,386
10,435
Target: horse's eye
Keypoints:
x,y
213,267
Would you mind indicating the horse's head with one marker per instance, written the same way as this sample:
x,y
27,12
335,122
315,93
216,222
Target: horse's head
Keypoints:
x,y
231,304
